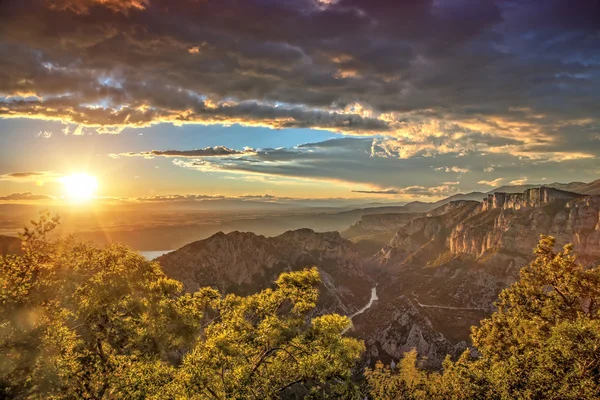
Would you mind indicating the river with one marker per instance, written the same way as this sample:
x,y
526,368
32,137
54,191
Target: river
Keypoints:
x,y
151,255
369,304
365,308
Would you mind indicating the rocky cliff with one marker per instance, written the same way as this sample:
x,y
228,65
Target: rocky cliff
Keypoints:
x,y
441,272
243,262
516,230
535,197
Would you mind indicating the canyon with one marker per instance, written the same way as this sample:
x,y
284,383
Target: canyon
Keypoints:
x,y
438,271
413,276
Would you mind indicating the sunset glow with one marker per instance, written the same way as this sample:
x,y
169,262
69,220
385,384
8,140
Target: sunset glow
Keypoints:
x,y
80,187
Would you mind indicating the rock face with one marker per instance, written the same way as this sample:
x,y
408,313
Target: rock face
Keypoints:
x,y
245,263
442,272
530,198
517,230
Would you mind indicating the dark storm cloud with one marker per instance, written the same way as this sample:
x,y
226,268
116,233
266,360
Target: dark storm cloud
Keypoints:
x,y
520,77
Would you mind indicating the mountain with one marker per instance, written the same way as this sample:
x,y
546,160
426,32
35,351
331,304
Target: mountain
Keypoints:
x,y
441,272
373,231
242,262
591,188
516,188
473,196
438,271
376,226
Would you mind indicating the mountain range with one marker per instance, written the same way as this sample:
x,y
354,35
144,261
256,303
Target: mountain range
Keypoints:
x,y
437,275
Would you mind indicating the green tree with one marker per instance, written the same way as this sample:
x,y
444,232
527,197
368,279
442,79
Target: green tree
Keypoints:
x,y
543,342
408,382
261,345
78,322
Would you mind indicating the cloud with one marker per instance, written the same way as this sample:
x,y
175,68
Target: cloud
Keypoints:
x,y
453,169
248,198
44,134
398,69
30,176
415,191
84,6
348,161
388,191
178,197
436,191
216,151
27,196
495,182
521,181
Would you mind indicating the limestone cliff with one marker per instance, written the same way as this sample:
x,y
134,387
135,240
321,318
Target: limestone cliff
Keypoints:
x,y
441,273
535,197
517,229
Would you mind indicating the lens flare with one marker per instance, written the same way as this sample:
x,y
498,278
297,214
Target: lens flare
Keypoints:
x,y
80,188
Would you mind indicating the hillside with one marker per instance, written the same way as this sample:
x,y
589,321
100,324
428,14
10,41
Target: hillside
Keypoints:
x,y
245,263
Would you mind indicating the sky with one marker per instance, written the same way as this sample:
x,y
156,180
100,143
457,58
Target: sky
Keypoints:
x,y
365,99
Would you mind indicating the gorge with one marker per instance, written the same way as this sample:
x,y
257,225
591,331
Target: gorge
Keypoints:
x,y
438,274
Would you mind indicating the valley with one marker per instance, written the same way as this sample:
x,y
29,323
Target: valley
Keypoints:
x,y
412,276
438,274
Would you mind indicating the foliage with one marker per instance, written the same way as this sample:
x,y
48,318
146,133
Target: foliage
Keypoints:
x,y
408,382
543,342
78,322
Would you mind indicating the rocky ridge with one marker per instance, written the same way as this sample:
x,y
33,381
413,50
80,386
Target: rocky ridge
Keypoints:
x,y
242,262
530,198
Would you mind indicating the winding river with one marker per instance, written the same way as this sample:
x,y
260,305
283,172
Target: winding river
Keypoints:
x,y
365,308
369,304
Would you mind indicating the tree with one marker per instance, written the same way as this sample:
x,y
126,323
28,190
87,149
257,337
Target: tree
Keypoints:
x,y
409,382
543,342
261,345
78,322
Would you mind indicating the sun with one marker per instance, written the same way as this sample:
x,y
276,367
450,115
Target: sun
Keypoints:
x,y
80,188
